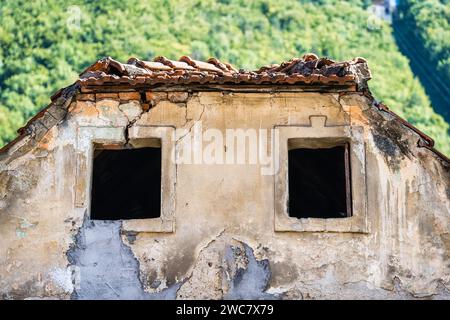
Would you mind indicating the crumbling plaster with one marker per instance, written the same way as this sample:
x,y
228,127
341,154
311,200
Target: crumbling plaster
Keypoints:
x,y
223,244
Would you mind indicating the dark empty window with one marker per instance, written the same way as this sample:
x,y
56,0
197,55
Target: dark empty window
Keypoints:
x,y
126,184
319,183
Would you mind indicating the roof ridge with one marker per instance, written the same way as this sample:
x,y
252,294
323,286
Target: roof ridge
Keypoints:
x,y
309,69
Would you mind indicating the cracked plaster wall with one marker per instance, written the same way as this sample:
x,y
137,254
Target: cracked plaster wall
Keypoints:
x,y
224,244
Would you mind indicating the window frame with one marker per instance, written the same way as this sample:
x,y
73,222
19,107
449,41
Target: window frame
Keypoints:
x,y
298,143
318,134
152,143
138,136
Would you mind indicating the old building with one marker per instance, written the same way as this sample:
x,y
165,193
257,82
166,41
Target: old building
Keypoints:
x,y
189,179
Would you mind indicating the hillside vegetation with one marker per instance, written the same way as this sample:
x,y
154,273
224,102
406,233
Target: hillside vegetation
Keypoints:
x,y
45,44
430,21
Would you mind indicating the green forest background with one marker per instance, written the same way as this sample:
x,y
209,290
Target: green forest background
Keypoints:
x,y
45,44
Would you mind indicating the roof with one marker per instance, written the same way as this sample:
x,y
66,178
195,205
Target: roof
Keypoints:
x,y
308,70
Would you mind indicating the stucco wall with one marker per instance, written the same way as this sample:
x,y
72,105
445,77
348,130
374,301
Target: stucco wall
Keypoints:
x,y
223,243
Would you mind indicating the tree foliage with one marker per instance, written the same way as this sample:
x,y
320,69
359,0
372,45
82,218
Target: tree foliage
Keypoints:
x,y
430,21
45,44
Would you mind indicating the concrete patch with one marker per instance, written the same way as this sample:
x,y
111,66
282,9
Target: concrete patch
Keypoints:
x,y
107,268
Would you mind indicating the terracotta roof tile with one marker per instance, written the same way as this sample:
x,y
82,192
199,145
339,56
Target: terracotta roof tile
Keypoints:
x,y
149,65
174,64
298,71
222,65
204,66
303,71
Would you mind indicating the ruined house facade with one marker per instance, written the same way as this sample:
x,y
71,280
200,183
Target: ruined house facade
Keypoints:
x,y
194,180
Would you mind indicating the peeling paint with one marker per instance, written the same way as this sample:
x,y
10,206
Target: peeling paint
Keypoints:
x,y
107,268
50,249
251,279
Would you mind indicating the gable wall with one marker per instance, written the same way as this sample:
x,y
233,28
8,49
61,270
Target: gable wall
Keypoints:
x,y
223,242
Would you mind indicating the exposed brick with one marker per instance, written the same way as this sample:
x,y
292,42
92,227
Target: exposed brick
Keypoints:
x,y
107,104
86,97
155,97
178,96
108,95
72,107
129,95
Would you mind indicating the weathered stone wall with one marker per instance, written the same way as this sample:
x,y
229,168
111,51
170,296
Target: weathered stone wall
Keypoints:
x,y
223,243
